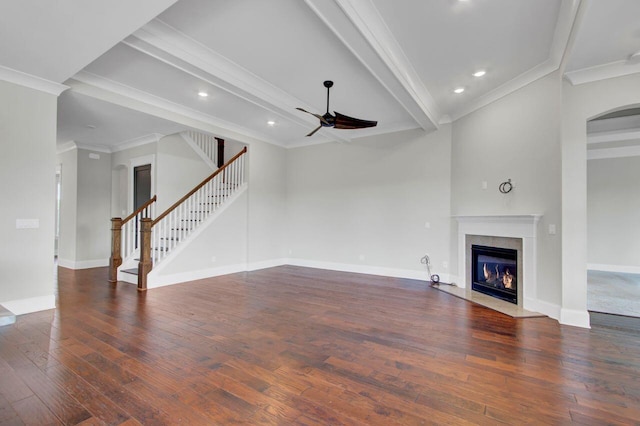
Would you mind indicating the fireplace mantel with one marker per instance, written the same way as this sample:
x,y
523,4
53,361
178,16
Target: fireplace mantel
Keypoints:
x,y
524,226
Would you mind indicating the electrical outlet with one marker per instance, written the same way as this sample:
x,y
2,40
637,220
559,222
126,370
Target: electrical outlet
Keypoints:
x,y
213,259
445,264
484,184
427,225
361,257
552,230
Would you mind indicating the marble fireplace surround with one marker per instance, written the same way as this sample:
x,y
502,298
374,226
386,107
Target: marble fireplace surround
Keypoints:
x,y
484,230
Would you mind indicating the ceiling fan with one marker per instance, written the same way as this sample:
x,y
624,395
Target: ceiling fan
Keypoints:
x,y
338,121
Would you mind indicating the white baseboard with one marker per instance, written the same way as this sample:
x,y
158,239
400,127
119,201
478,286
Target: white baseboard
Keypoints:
x,y
158,280
364,269
83,264
264,264
625,269
549,309
575,318
31,304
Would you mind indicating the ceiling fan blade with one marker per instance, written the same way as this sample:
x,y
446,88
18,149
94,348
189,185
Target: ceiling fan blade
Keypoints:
x,y
315,130
345,122
318,116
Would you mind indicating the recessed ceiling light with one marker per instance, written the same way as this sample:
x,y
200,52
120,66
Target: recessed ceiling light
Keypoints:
x,y
479,73
203,94
458,90
271,123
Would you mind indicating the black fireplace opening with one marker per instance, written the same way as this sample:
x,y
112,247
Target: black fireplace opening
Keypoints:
x,y
495,272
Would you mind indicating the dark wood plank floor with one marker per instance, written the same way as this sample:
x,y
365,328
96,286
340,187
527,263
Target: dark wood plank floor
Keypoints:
x,y
291,345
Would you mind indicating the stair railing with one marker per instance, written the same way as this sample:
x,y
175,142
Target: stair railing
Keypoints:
x,y
207,143
129,227
161,235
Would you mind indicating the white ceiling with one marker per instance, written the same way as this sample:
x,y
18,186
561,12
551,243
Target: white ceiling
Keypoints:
x,y
134,68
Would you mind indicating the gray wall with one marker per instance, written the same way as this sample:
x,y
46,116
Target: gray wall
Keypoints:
x,y
93,239
613,212
366,203
266,233
517,138
85,227
68,161
179,170
121,176
27,176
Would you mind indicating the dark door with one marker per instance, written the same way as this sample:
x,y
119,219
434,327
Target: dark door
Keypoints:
x,y
141,185
141,191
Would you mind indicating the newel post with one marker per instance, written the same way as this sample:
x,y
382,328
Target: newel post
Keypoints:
x,y
144,266
116,258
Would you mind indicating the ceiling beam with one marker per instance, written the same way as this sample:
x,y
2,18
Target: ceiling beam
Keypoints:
x,y
360,27
165,43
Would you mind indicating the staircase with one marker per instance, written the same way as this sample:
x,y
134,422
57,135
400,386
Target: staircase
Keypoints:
x,y
153,241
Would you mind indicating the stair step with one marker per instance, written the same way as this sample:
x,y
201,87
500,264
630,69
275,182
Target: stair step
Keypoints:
x,y
6,317
132,271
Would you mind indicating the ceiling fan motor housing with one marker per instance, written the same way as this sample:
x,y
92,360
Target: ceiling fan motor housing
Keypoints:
x,y
330,120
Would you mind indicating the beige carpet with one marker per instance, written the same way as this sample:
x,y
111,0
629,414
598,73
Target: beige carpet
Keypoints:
x,y
613,293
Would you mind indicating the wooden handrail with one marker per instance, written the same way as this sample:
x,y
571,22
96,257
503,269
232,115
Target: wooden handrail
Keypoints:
x,y
141,208
200,185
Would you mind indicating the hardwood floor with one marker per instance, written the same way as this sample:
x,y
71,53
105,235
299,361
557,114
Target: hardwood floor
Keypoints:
x,y
291,345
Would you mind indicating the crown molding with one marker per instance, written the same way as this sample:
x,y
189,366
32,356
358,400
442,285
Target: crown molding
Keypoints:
x,y
102,88
559,48
139,141
165,43
31,81
363,133
619,152
601,72
505,89
616,136
94,148
66,146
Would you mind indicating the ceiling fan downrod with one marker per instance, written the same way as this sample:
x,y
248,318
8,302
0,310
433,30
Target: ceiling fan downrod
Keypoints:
x,y
328,84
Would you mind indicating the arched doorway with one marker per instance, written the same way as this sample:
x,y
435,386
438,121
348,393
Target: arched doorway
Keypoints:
x,y
582,103
613,208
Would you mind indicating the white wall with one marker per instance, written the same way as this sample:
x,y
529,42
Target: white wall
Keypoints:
x,y
613,213
179,170
363,206
219,247
93,220
231,148
517,138
266,166
68,161
27,187
122,176
85,207
581,103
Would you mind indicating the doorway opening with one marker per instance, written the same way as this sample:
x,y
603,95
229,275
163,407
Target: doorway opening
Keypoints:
x,y
613,206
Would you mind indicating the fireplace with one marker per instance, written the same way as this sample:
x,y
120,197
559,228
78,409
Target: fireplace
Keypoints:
x,y
495,272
